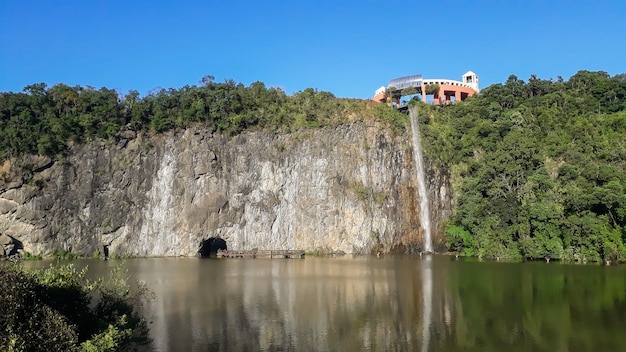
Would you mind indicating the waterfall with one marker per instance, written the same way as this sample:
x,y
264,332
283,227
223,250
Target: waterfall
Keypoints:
x,y
422,193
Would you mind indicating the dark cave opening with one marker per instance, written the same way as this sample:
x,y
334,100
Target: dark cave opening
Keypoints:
x,y
210,246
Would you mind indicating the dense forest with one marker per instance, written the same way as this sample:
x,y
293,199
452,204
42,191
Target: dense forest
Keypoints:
x,y
44,120
538,167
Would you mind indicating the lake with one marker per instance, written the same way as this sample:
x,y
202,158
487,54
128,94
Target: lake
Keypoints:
x,y
392,303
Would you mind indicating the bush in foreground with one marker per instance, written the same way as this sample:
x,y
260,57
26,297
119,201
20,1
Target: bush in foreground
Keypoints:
x,y
58,309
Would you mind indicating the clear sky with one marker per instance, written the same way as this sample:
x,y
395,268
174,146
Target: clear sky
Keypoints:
x,y
347,47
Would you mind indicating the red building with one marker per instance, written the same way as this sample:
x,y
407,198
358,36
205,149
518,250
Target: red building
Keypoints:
x,y
443,91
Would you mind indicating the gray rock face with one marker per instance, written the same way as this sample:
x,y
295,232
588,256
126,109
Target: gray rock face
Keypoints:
x,y
345,188
9,247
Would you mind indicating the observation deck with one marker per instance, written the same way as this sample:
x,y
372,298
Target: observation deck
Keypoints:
x,y
443,91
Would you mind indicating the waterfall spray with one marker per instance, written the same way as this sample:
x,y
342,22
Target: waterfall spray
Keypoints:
x,y
422,193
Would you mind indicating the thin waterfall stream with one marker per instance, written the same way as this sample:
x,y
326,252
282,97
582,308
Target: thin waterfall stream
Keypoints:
x,y
422,192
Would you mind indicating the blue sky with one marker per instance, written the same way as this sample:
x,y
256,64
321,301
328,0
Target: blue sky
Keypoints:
x,y
347,47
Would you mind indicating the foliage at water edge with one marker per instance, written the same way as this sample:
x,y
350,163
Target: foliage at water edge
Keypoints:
x,y
539,168
58,309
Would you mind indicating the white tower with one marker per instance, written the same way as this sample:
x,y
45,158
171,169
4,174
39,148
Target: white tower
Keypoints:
x,y
471,79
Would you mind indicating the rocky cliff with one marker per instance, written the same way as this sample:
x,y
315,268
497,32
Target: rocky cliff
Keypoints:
x,y
350,188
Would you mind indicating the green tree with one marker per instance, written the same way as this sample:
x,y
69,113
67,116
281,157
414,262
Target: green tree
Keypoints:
x,y
58,309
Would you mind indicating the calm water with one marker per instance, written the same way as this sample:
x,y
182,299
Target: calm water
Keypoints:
x,y
379,304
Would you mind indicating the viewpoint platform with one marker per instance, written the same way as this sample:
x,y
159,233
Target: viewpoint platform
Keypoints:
x,y
443,91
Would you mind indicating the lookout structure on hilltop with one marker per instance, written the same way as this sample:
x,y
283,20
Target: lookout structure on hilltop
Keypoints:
x,y
444,91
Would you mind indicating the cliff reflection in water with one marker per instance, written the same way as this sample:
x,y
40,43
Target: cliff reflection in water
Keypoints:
x,y
382,304
312,304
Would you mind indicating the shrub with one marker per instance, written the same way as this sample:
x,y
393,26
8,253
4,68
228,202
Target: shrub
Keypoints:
x,y
58,309
64,255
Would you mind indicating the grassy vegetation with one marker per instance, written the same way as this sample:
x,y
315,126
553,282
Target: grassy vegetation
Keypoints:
x,y
61,254
29,256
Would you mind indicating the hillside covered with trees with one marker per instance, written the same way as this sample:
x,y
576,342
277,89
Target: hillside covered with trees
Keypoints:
x,y
43,120
538,166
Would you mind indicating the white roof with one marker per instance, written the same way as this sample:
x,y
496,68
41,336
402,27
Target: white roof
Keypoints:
x,y
381,90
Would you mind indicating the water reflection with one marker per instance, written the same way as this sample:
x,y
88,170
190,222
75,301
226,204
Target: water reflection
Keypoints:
x,y
401,303
427,293
312,304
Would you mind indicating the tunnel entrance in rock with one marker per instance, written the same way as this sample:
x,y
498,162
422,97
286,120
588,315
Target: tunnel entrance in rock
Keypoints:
x,y
210,246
